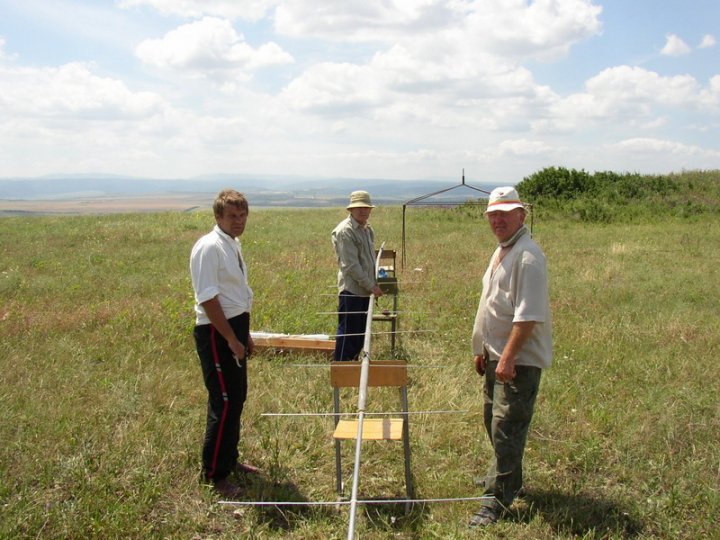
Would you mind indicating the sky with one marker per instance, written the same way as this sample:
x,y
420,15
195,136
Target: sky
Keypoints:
x,y
386,89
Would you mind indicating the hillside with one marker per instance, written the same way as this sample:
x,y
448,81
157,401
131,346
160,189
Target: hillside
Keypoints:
x,y
103,194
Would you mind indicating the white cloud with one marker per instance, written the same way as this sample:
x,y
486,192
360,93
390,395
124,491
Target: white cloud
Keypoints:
x,y
543,29
625,83
629,95
510,28
441,77
362,20
526,147
674,46
251,10
710,96
210,46
649,146
335,89
419,91
71,91
453,69
69,119
376,88
707,42
444,65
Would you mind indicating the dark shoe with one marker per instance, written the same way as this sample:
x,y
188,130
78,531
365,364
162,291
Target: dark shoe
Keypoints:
x,y
226,488
484,517
246,468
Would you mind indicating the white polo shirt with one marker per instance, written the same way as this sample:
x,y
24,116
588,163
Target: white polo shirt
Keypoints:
x,y
517,291
217,269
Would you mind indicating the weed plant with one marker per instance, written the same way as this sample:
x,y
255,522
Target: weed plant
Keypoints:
x,y
103,404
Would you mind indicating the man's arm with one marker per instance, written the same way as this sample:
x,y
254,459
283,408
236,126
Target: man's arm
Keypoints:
x,y
519,335
478,345
479,364
214,312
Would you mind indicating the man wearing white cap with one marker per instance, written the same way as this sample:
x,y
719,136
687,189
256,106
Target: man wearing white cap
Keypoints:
x,y
353,240
512,344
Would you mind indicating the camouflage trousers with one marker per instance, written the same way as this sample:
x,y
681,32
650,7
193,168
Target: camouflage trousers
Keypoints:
x,y
508,410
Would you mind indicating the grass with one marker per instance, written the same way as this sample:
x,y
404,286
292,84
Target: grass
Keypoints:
x,y
103,405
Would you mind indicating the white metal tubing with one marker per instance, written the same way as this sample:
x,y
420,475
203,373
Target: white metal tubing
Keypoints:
x,y
367,502
392,413
388,332
362,398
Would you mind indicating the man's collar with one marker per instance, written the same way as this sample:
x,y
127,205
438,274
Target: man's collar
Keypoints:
x,y
356,224
515,237
218,230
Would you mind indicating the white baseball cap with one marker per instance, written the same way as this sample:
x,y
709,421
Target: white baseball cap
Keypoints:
x,y
504,199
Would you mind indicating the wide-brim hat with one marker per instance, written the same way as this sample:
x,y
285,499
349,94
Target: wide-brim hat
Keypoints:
x,y
504,199
360,199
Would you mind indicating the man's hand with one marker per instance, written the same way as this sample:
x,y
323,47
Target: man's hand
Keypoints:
x,y
238,349
377,291
520,333
214,312
505,370
480,364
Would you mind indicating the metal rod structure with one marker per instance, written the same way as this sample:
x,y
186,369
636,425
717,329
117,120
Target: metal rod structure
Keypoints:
x,y
359,312
422,201
387,332
362,399
449,411
381,366
365,501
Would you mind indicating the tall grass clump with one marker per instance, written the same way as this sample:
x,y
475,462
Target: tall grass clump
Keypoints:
x,y
103,404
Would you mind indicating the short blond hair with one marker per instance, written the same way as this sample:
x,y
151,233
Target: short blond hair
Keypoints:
x,y
229,197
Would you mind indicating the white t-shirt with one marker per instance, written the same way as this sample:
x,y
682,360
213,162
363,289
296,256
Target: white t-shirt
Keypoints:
x,y
218,269
517,291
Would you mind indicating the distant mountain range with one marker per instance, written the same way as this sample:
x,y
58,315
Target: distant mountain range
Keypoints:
x,y
262,190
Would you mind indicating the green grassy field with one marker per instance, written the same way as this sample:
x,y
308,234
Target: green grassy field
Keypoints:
x,y
103,404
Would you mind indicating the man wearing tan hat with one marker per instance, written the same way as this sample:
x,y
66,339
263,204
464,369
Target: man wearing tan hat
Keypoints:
x,y
512,344
353,240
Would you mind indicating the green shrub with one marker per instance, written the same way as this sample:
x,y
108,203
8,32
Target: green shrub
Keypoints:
x,y
606,196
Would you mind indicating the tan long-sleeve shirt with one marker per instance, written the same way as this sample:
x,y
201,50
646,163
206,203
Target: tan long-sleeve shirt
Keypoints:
x,y
355,252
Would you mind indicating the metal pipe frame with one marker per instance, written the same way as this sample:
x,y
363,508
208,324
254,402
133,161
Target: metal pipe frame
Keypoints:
x,y
362,400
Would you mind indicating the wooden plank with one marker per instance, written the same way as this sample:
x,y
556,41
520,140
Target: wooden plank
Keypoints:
x,y
380,373
374,429
294,343
385,317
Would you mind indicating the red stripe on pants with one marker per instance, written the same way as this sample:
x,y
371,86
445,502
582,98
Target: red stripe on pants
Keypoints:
x,y
226,405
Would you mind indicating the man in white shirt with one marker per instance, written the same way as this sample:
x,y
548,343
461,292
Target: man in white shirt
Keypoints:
x,y
512,344
223,300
